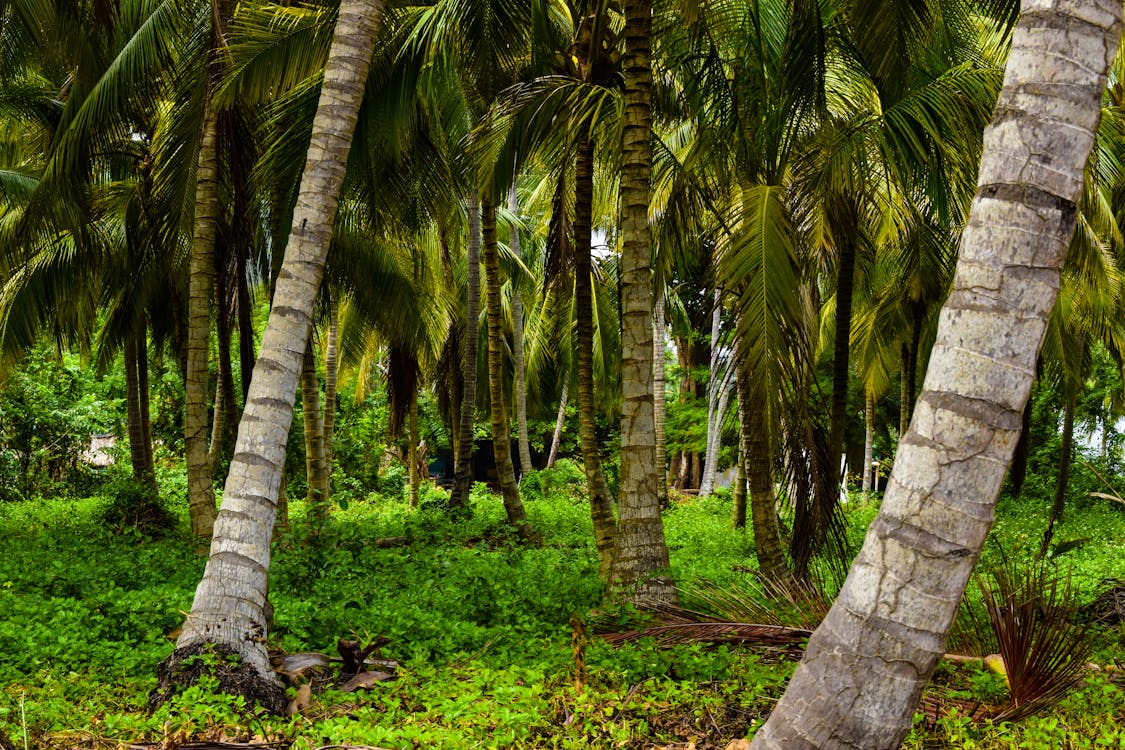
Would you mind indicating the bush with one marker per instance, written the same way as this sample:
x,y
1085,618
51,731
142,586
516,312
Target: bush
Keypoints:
x,y
135,505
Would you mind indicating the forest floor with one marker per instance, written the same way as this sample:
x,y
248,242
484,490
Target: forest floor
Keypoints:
x,y
483,642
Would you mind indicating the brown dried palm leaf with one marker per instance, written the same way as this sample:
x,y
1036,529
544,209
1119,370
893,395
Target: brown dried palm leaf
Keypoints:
x,y
1045,652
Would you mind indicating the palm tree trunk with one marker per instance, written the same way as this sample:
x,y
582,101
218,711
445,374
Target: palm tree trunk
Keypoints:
x,y
142,468
715,391
843,216
316,475
331,380
866,665
412,449
501,427
868,441
640,556
601,501
756,454
659,402
520,386
1018,472
142,403
556,436
229,609
463,464
201,491
1062,479
245,329
738,497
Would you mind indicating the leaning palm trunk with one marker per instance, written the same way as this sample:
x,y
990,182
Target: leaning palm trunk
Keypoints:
x,y
201,491
331,385
640,555
556,436
463,468
520,385
601,502
866,665
229,611
868,442
501,427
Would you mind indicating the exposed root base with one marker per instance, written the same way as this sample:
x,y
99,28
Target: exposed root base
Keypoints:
x,y
235,678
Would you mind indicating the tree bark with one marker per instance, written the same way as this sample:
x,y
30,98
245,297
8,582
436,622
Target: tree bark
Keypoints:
x,y
640,569
868,442
601,501
229,608
842,213
556,437
866,665
463,464
501,426
659,402
1062,478
717,388
201,490
738,496
316,475
756,453
520,386
331,381
140,455
412,451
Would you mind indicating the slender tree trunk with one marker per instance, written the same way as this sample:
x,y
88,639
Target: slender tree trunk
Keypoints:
x,y
756,453
331,380
868,441
659,402
640,557
556,437
218,426
415,463
245,329
601,501
843,215
142,470
718,393
1062,479
463,465
230,608
1018,472
738,497
520,386
142,403
201,491
501,426
866,665
316,475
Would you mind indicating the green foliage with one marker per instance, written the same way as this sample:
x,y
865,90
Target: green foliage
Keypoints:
x,y
133,505
49,408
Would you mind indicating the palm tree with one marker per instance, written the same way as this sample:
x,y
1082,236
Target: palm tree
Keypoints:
x,y
229,609
866,665
640,556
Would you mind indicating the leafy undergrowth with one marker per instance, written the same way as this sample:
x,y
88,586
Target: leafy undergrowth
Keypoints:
x,y
481,629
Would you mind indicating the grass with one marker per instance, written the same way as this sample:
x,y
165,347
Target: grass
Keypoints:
x,y
481,627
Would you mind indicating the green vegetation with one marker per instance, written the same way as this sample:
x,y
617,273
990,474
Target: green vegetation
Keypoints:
x,y
480,626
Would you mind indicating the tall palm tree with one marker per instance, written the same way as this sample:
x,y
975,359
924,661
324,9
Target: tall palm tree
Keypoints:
x,y
866,665
229,608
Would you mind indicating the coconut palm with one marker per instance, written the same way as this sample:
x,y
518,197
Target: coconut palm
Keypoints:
x,y
902,593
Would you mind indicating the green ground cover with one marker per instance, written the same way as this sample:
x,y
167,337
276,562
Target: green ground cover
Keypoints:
x,y
481,627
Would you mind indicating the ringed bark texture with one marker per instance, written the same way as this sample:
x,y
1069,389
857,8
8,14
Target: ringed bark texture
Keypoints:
x,y
229,609
867,664
640,558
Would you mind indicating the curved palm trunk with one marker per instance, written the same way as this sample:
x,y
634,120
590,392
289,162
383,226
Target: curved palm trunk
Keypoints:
x,y
463,464
640,555
229,610
501,427
601,501
520,386
201,491
866,665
